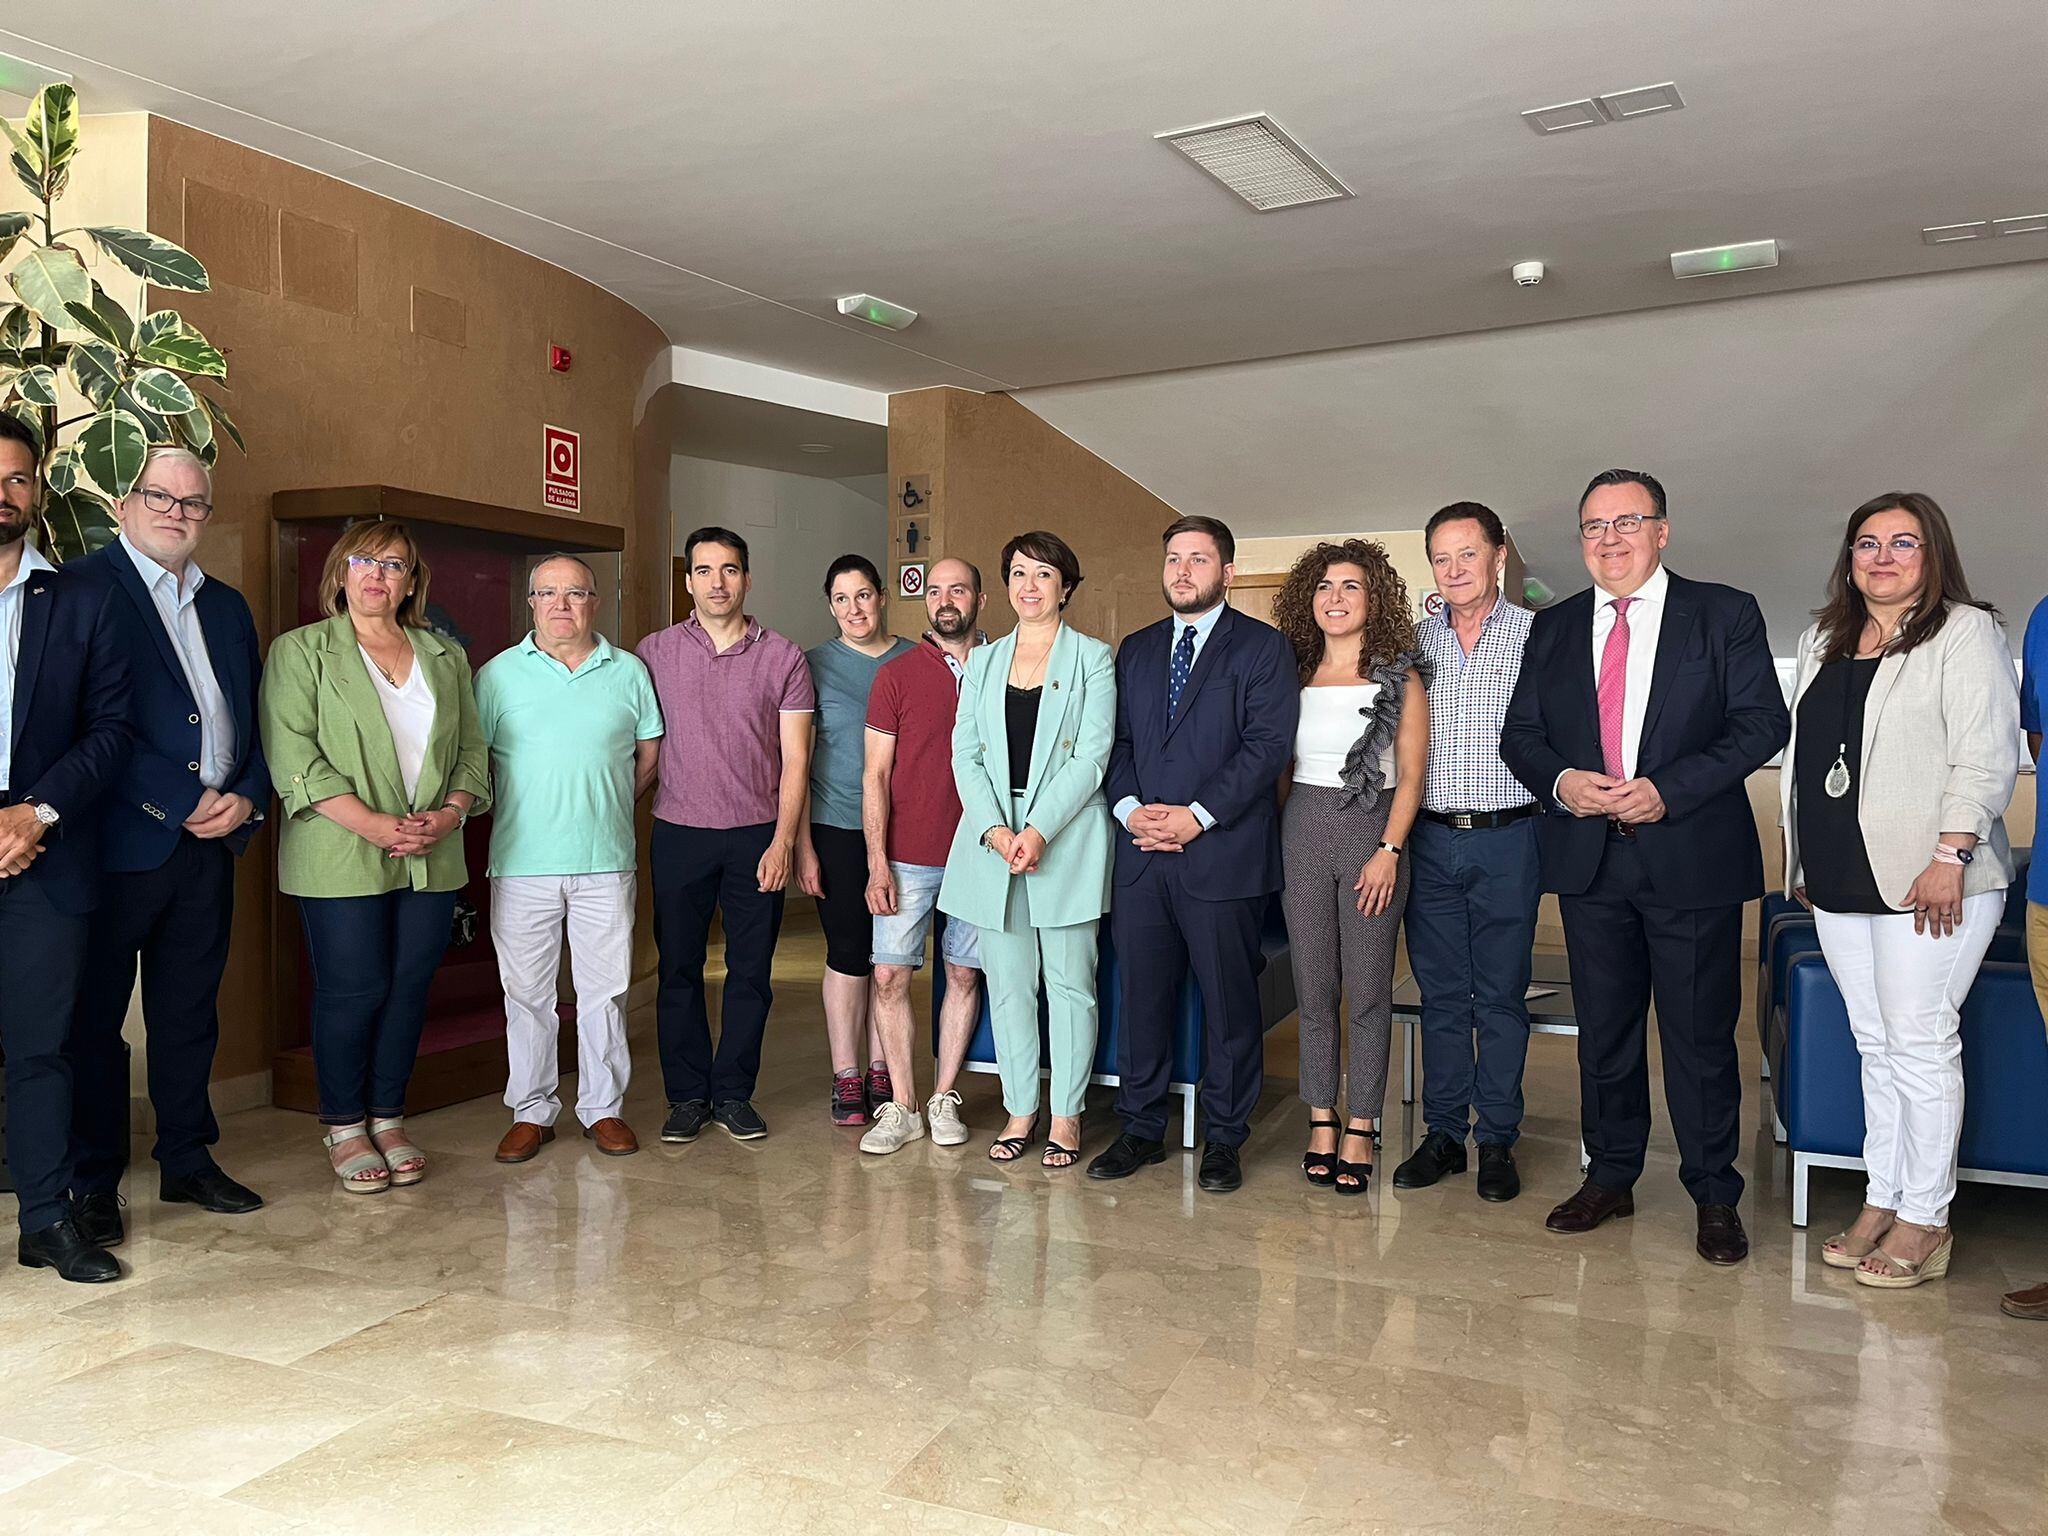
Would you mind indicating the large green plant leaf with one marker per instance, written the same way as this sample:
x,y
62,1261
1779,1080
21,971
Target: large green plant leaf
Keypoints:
x,y
38,385
65,471
152,257
155,425
166,339
53,129
26,158
30,416
195,431
223,420
48,280
163,391
92,320
12,227
97,370
113,446
79,522
17,330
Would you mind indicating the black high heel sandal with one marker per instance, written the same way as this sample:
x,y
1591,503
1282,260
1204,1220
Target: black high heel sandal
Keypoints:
x,y
1015,1146
1359,1171
1321,1167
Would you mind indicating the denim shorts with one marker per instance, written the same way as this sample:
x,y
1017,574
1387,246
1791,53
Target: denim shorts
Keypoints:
x,y
899,940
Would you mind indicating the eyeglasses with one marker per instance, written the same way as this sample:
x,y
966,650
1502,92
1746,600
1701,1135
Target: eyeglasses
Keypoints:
x,y
1628,522
194,509
1903,547
574,594
368,563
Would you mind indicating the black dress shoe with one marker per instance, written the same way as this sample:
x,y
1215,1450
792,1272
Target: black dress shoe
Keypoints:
x,y
1498,1179
98,1219
1221,1171
1126,1155
1722,1240
1439,1154
740,1119
686,1121
62,1247
210,1190
1593,1204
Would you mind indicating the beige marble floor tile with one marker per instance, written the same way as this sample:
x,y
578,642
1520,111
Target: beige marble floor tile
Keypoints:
x,y
39,1350
723,1494
1349,1501
1977,1495
1085,1471
773,1411
85,1498
189,1417
282,1312
21,1463
455,1471
484,1353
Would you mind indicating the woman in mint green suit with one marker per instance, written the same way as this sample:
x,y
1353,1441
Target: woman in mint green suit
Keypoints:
x,y
1030,862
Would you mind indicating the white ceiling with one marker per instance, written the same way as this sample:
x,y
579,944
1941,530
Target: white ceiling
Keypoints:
x,y
737,429
729,169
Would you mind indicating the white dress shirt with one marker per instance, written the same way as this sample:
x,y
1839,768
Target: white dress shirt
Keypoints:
x,y
13,597
175,607
1203,625
1645,623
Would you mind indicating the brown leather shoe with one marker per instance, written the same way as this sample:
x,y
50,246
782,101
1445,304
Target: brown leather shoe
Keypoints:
x,y
2031,1304
1592,1205
1721,1239
523,1140
613,1136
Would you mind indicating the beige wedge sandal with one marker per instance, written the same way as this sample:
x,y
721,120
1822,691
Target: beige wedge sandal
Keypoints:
x,y
1837,1252
364,1174
1903,1274
408,1164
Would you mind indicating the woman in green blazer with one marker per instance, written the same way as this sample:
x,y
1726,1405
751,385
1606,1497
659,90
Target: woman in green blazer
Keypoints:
x,y
371,730
1030,862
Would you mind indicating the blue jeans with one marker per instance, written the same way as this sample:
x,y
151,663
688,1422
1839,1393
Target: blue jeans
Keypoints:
x,y
373,959
1471,924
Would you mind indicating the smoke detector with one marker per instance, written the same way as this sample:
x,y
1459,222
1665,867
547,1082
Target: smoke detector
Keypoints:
x,y
1256,159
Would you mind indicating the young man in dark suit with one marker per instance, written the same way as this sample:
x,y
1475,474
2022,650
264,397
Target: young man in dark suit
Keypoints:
x,y
63,740
1642,706
191,797
1206,704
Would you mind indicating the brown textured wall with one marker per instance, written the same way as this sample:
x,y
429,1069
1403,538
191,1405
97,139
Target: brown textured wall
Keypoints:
x,y
370,343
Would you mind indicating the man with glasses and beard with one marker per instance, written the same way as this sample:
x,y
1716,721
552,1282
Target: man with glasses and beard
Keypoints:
x,y
910,807
1206,707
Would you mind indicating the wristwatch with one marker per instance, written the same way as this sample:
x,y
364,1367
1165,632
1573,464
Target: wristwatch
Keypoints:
x,y
1393,848
46,813
1964,855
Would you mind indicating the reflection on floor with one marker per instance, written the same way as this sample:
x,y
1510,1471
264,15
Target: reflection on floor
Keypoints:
x,y
789,1336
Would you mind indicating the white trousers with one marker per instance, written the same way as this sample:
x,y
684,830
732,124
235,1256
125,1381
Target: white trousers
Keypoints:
x,y
528,915
1904,992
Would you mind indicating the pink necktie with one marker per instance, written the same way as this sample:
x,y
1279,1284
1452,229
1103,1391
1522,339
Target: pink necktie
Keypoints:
x,y
1613,686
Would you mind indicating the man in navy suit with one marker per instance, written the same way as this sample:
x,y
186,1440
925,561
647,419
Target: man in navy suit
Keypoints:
x,y
189,801
1642,706
1206,704
63,740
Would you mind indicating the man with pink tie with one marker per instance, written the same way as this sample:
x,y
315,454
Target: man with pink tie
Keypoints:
x,y
1642,706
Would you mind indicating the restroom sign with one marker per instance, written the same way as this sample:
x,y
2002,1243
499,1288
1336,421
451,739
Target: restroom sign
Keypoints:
x,y
561,479
910,579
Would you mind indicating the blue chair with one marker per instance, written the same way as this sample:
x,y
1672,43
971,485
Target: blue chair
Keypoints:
x,y
1817,1079
1276,1004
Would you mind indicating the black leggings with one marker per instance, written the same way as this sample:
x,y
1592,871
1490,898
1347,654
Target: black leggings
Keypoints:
x,y
843,909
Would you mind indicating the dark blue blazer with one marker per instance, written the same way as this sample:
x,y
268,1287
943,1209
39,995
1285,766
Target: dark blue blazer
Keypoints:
x,y
160,786
1227,746
70,726
1715,715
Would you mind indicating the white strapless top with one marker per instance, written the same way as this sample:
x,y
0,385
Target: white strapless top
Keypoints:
x,y
1332,720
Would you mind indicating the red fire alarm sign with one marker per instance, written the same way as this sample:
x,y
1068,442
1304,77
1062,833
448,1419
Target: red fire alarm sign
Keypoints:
x,y
558,359
561,480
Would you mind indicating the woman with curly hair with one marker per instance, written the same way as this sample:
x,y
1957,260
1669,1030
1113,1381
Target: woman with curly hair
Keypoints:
x,y
1359,753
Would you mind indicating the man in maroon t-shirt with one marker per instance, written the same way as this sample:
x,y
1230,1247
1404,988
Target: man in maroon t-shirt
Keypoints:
x,y
909,810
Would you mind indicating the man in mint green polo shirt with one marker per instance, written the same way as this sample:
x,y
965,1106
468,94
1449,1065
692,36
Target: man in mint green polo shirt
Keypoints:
x,y
573,728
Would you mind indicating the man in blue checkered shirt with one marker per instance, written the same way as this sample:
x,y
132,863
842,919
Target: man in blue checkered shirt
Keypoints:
x,y
1471,916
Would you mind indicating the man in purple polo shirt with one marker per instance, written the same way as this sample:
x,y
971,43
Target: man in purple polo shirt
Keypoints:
x,y
735,764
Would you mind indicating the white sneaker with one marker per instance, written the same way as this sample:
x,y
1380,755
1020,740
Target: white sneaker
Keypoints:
x,y
894,1126
948,1129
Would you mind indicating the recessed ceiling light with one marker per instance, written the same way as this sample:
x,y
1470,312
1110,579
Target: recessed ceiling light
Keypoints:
x,y
1641,102
865,306
1255,158
1948,234
2024,224
1715,259
1565,116
814,448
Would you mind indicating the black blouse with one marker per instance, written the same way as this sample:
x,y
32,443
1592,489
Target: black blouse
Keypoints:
x,y
1020,720
1832,855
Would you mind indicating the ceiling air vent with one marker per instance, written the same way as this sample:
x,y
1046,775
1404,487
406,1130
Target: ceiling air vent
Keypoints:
x,y
1254,157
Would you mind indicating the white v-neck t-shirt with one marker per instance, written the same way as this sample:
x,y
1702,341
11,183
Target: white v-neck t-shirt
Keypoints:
x,y
409,711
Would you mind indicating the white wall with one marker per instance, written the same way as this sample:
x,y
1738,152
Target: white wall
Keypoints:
x,y
794,525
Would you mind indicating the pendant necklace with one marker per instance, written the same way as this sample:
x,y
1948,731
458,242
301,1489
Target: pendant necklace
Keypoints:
x,y
1837,781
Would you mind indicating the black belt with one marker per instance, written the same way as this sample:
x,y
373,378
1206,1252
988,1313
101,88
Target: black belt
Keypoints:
x,y
1468,821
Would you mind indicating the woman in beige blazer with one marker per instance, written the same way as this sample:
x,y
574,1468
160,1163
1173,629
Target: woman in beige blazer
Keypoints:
x,y
1905,745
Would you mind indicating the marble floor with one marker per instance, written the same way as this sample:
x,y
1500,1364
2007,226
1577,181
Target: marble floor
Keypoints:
x,y
789,1336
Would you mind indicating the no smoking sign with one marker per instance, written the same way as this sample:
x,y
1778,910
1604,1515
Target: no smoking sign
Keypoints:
x,y
561,479
910,579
